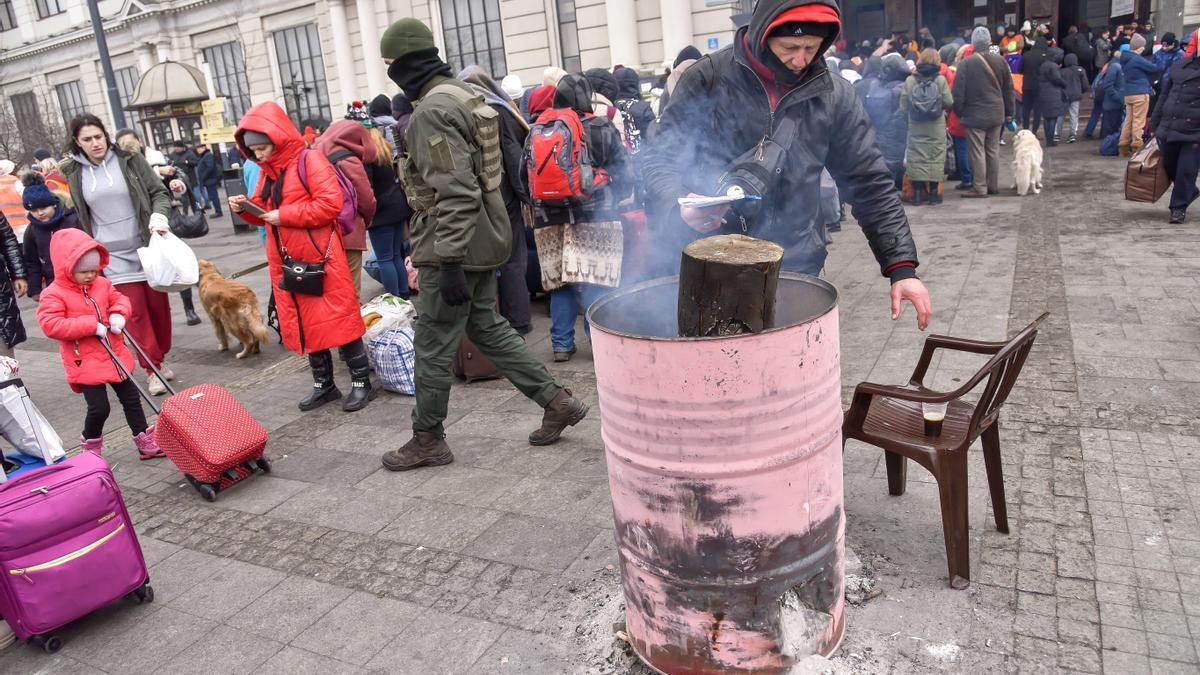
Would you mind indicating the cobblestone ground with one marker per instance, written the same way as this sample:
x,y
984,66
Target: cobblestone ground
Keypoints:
x,y
503,561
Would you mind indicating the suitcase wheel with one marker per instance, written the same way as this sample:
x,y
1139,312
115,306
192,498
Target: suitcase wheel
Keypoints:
x,y
263,464
143,594
48,643
207,491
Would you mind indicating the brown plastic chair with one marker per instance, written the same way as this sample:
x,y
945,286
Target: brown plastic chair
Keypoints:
x,y
890,417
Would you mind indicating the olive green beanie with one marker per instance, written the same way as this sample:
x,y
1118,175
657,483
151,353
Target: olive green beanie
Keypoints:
x,y
404,37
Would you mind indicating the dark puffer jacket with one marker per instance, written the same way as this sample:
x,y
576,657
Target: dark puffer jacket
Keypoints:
x,y
12,266
1052,97
1075,77
1175,117
883,106
694,146
1031,67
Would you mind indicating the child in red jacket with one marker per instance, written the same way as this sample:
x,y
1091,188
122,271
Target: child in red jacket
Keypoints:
x,y
79,309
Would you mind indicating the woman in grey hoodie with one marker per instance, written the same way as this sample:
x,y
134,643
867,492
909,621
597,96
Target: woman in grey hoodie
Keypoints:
x,y
122,202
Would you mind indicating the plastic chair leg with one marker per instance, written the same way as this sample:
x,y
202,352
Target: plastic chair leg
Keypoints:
x,y
897,472
952,490
995,475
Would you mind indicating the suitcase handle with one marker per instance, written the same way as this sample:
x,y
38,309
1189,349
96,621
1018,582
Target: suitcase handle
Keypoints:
x,y
129,376
34,475
138,348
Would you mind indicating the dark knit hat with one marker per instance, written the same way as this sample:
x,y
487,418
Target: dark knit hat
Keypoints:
x,y
1169,38
41,153
688,53
38,196
404,37
800,28
252,137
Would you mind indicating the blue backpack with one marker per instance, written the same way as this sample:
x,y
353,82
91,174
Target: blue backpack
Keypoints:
x,y
1108,147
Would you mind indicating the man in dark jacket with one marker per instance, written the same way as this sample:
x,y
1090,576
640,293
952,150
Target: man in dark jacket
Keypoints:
x,y
461,235
184,159
1031,70
1052,98
1177,127
882,104
633,106
774,74
1076,80
208,177
984,101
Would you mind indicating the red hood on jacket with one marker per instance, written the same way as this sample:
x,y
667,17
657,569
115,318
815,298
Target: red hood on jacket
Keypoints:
x,y
348,135
268,118
66,248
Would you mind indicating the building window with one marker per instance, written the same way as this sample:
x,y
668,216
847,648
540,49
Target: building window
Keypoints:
x,y
8,20
29,122
474,36
189,128
302,71
48,8
127,79
229,77
160,134
70,99
568,35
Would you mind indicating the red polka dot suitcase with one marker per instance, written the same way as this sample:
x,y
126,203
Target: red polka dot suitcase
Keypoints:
x,y
209,436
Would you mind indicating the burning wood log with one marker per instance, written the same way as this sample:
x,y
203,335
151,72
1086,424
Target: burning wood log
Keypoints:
x,y
727,286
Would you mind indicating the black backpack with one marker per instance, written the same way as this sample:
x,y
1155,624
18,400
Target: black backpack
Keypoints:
x,y
926,101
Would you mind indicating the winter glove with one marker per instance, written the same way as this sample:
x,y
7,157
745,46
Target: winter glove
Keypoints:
x,y
116,323
101,330
159,224
453,283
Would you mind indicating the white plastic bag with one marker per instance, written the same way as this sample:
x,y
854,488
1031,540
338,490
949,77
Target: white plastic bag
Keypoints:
x,y
23,425
385,312
170,264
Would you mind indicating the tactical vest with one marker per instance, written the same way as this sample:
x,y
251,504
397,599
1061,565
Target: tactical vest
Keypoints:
x,y
487,161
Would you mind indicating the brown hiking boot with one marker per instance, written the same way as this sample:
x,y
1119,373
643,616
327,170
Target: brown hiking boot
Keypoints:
x,y
564,411
424,449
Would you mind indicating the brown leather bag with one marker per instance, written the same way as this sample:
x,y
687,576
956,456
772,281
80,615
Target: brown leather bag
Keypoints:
x,y
471,365
1145,177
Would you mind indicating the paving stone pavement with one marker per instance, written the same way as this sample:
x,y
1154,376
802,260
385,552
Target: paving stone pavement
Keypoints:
x,y
501,562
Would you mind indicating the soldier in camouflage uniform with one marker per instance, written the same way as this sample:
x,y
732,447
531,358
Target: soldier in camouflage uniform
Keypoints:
x,y
461,236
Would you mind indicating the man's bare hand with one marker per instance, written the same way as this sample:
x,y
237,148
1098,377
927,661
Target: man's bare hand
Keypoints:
x,y
703,220
915,292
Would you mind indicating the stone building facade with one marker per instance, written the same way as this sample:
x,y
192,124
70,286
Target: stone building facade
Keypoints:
x,y
313,57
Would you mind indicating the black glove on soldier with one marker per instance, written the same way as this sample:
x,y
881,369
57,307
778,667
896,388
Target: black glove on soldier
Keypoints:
x,y
453,284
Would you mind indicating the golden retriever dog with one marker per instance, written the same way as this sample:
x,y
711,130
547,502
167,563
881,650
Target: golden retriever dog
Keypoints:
x,y
233,308
1027,163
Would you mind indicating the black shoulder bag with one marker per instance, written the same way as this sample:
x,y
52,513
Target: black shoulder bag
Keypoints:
x,y
758,169
298,276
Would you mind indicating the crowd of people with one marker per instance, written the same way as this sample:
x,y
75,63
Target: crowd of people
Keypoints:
x,y
477,194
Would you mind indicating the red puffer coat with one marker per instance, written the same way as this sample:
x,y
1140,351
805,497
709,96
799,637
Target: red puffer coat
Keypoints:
x,y
350,136
310,323
69,313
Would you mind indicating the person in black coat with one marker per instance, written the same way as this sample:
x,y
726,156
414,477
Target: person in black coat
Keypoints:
x,y
12,286
47,215
632,106
514,292
387,229
1177,127
1052,95
1077,84
1031,70
208,177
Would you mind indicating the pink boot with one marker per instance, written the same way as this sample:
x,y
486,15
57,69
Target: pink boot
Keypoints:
x,y
91,444
147,447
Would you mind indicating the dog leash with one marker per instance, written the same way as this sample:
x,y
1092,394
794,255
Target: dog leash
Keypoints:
x,y
249,270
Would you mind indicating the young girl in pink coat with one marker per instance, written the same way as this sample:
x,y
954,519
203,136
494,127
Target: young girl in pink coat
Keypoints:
x,y
79,309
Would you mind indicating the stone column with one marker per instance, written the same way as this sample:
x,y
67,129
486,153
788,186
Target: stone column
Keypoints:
x,y
622,32
343,55
145,58
368,13
1170,18
676,26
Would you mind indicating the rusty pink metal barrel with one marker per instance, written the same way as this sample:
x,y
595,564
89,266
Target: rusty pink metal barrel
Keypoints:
x,y
725,465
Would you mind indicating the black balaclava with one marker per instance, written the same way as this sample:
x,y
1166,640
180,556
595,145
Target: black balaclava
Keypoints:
x,y
412,71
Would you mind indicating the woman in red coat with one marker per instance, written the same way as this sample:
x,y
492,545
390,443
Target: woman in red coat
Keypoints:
x,y
301,223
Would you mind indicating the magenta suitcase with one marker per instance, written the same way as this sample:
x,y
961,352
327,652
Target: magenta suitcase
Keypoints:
x,y
67,548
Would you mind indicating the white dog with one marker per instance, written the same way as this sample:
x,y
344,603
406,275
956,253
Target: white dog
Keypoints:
x,y
1027,163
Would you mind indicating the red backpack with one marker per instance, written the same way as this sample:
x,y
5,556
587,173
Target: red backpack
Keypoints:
x,y
559,164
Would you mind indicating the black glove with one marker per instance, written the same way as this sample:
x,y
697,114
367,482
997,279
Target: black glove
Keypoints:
x,y
453,284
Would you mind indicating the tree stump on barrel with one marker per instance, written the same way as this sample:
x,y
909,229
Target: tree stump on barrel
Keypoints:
x,y
727,286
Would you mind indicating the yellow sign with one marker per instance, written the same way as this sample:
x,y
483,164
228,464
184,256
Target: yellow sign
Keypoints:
x,y
214,112
217,135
